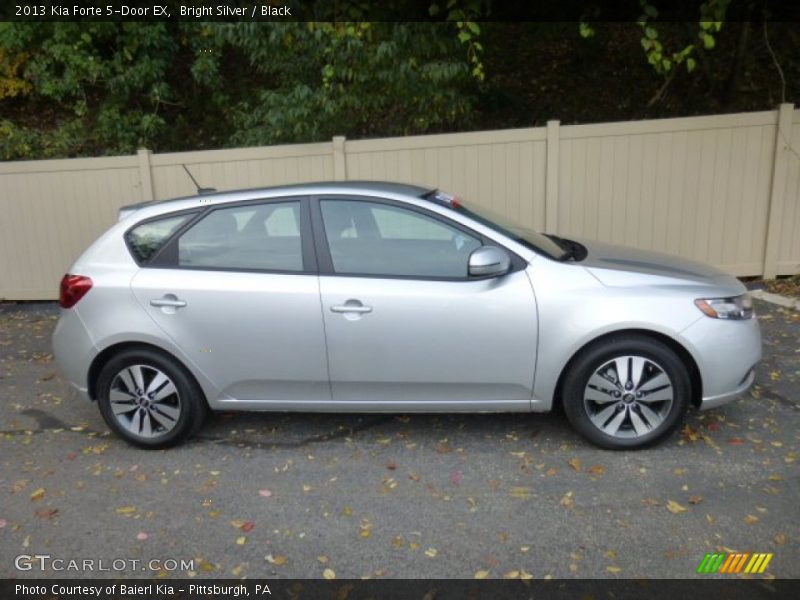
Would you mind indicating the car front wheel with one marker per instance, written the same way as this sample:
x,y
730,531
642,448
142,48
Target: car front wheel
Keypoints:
x,y
149,399
626,392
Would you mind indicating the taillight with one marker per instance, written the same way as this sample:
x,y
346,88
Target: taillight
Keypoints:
x,y
73,288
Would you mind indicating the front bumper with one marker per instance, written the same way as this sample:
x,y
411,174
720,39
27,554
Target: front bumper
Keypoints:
x,y
726,353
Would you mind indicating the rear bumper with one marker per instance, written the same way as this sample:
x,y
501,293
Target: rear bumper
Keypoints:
x,y
73,350
726,353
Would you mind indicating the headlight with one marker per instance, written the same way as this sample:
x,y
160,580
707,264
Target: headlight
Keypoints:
x,y
740,307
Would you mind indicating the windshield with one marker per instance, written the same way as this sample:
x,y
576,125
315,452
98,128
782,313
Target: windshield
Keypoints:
x,y
534,240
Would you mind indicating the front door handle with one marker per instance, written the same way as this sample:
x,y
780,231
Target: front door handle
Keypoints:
x,y
351,306
170,302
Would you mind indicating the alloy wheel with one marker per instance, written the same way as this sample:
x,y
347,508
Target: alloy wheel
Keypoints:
x,y
628,396
145,401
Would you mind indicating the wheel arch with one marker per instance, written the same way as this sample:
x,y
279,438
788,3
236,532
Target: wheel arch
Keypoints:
x,y
108,353
683,354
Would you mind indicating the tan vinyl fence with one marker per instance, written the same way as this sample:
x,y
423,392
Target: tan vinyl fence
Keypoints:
x,y
722,189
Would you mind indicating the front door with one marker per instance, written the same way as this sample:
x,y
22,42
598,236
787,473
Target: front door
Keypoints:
x,y
404,323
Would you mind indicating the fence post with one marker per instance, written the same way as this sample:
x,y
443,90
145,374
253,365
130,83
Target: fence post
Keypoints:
x,y
145,175
783,138
339,159
551,178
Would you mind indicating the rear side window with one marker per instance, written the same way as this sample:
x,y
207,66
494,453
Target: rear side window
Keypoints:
x,y
146,239
254,237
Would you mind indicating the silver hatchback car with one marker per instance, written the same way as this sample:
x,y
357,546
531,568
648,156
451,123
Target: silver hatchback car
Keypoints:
x,y
363,297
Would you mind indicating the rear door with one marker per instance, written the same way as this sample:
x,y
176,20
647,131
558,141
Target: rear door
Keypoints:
x,y
237,291
406,327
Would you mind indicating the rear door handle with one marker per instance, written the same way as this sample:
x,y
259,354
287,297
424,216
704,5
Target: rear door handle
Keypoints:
x,y
351,306
171,302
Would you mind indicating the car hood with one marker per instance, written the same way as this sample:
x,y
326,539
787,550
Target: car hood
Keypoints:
x,y
621,266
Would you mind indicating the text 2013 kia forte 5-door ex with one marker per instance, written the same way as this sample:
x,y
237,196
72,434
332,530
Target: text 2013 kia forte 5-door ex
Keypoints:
x,y
358,296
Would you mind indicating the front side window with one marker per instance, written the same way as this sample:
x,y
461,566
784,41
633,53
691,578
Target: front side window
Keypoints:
x,y
261,237
146,239
370,238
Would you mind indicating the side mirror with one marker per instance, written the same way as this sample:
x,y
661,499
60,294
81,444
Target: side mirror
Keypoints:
x,y
489,261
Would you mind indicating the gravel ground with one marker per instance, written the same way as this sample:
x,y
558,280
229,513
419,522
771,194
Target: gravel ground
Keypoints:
x,y
293,495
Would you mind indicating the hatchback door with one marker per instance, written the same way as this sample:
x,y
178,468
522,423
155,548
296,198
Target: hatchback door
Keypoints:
x,y
237,291
406,327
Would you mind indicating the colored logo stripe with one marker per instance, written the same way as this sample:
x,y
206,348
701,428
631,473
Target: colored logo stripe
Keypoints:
x,y
734,562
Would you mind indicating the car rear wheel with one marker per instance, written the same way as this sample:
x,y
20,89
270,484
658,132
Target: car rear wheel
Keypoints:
x,y
626,392
149,399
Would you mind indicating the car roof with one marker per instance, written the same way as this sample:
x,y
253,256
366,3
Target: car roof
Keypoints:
x,y
322,187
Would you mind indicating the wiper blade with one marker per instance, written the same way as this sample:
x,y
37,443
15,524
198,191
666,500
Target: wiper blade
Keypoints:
x,y
565,245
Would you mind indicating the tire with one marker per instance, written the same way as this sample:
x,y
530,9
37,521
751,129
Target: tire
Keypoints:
x,y
149,399
602,383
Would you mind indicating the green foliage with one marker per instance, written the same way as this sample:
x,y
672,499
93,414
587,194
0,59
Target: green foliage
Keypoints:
x,y
712,15
108,88
356,79
103,82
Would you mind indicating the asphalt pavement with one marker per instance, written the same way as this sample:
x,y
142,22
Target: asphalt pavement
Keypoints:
x,y
391,496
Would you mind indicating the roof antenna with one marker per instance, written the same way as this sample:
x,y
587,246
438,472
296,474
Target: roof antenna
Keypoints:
x,y
200,190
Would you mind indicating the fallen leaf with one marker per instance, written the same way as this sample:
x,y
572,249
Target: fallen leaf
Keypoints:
x,y
241,540
455,477
391,465
482,574
431,552
511,575
575,463
247,526
567,501
523,493
550,472
695,500
264,493
751,519
736,441
650,502
523,574
322,559
443,448
365,528
596,469
780,538
126,510
37,495
276,560
47,513
414,476
675,508
329,574
141,536
307,488
613,569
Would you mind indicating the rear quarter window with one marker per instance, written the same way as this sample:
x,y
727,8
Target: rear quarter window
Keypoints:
x,y
146,239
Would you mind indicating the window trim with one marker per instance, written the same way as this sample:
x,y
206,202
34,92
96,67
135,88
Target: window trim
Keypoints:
x,y
325,261
166,257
